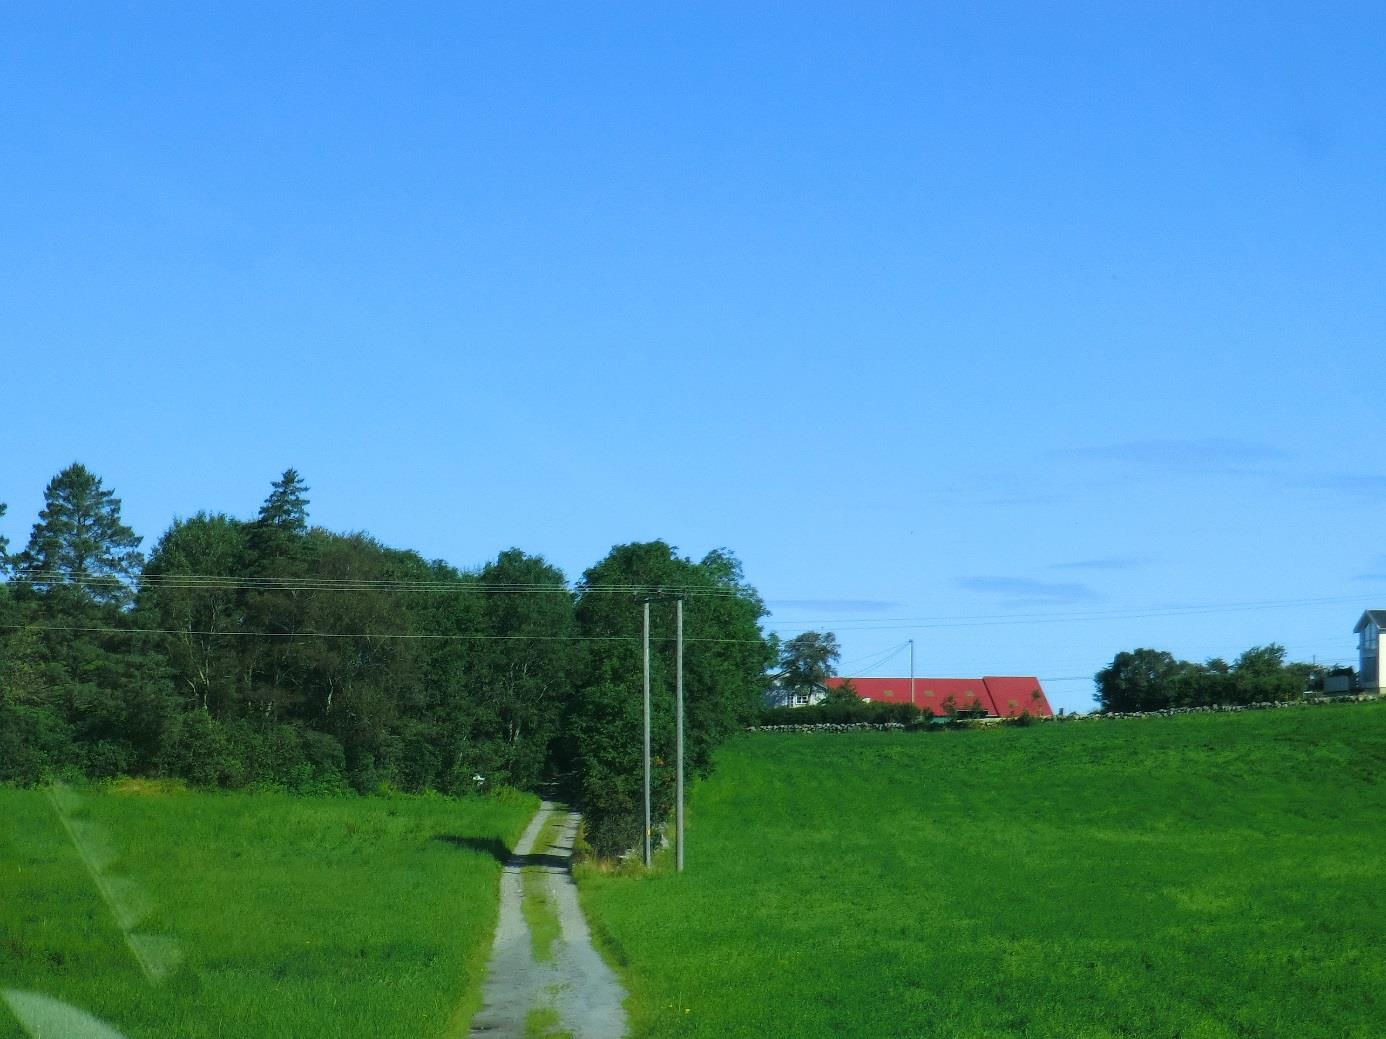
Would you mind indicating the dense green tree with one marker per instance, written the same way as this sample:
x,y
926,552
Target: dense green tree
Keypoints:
x,y
79,534
1150,680
1261,675
462,726
189,590
726,658
272,652
806,662
524,665
1141,680
35,737
355,675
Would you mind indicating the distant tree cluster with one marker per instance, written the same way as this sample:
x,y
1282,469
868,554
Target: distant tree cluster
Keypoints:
x,y
1152,680
268,651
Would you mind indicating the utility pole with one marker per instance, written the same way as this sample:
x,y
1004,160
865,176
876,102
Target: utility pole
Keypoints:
x,y
678,745
911,671
647,733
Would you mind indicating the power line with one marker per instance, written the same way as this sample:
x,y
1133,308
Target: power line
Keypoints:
x,y
358,635
322,584
355,584
867,656
246,581
1132,613
879,659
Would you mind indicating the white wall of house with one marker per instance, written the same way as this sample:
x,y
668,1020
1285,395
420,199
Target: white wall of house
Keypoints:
x,y
1369,656
780,697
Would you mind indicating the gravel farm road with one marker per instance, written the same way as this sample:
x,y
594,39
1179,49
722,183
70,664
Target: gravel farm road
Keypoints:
x,y
575,985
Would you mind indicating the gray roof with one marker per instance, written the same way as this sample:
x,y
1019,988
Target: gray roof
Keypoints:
x,y
1377,617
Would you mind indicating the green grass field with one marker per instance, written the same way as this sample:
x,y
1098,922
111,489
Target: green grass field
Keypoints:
x,y
293,916
1199,876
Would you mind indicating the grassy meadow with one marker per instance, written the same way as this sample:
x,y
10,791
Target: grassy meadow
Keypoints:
x,y
1201,877
271,915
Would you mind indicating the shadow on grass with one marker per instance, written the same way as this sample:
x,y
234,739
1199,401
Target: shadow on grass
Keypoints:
x,y
492,846
496,848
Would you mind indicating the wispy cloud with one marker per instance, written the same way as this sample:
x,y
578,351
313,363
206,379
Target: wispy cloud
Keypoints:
x,y
1214,455
1366,488
834,605
1006,500
1107,564
1029,591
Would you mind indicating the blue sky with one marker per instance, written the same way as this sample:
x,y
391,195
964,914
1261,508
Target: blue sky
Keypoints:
x,y
1032,334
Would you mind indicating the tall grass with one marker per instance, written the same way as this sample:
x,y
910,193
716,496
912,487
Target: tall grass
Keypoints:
x,y
1201,876
294,916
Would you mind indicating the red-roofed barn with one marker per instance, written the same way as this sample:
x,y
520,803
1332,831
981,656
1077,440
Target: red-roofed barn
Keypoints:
x,y
995,695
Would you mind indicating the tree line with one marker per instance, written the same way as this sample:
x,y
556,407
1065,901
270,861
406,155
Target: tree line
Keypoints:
x,y
1153,680
272,652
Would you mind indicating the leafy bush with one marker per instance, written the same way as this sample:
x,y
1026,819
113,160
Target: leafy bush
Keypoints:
x,y
841,712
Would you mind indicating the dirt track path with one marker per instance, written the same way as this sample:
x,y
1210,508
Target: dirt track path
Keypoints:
x,y
576,984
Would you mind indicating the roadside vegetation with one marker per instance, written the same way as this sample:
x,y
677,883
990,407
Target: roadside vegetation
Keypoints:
x,y
1205,875
277,916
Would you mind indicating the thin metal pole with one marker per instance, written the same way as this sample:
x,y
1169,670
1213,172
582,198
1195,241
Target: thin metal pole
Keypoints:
x,y
647,734
678,744
911,671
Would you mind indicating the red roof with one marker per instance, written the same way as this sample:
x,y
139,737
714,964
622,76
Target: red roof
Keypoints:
x,y
999,696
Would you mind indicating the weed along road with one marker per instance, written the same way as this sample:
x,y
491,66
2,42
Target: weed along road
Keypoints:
x,y
544,976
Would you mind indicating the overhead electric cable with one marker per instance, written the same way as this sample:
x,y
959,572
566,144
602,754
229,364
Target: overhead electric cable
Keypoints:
x,y
360,635
877,660
306,583
1131,613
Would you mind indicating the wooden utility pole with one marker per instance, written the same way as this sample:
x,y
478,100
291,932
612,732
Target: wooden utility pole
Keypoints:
x,y
678,729
647,733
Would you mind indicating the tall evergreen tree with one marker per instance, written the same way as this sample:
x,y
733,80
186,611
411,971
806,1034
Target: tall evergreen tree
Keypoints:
x,y
80,533
286,508
4,542
278,560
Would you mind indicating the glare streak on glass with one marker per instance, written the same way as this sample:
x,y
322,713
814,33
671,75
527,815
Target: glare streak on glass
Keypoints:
x,y
129,903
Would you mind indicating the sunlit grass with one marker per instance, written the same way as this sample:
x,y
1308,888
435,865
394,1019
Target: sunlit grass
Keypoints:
x,y
540,912
1201,876
544,1023
294,916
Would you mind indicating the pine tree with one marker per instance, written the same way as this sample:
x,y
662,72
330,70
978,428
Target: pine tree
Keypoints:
x,y
279,553
80,534
286,508
4,542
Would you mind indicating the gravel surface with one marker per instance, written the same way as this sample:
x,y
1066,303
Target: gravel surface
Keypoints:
x,y
576,984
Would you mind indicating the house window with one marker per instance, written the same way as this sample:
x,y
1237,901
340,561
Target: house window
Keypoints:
x,y
801,700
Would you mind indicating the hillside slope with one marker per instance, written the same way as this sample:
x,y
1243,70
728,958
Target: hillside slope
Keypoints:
x,y
1209,875
280,916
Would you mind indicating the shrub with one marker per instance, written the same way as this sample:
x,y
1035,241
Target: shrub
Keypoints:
x,y
844,713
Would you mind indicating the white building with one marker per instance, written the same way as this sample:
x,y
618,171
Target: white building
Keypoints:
x,y
1368,632
781,696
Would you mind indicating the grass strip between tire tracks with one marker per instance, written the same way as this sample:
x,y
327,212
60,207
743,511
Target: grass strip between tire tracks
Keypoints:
x,y
537,905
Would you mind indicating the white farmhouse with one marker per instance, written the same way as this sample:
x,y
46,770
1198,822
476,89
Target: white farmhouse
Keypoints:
x,y
1368,631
